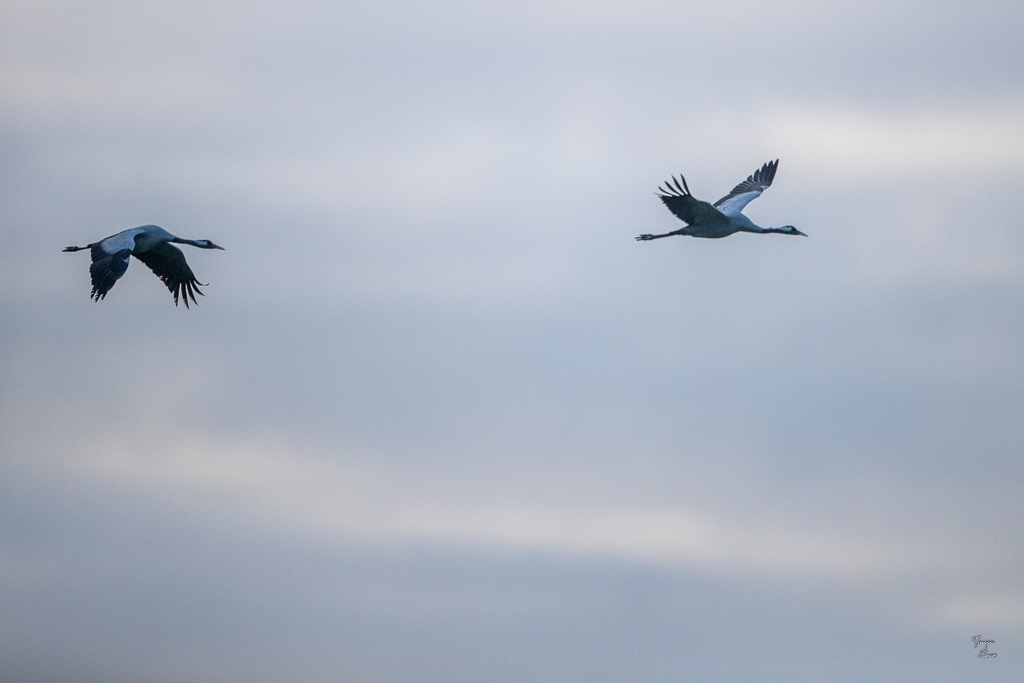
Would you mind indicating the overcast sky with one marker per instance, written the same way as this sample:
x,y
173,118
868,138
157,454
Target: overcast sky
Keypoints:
x,y
439,418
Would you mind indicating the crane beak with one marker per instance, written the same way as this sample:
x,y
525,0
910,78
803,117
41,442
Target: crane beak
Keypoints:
x,y
797,232
214,246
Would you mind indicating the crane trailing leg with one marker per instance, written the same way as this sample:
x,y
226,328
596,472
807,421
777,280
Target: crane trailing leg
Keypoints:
x,y
647,236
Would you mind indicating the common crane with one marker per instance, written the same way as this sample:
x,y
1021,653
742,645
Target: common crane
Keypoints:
x,y
725,216
151,245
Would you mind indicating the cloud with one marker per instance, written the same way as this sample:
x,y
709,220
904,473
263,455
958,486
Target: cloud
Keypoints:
x,y
434,369
986,610
866,143
272,486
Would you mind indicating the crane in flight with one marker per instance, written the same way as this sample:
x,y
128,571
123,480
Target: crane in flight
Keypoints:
x,y
151,245
725,216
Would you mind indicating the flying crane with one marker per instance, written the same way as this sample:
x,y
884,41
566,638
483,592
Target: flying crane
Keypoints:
x,y
150,244
725,216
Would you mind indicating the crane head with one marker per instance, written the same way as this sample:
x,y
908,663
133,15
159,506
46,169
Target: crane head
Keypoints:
x,y
790,230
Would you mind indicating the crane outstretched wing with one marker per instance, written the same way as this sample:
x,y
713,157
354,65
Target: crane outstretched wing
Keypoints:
x,y
106,268
687,208
168,263
750,189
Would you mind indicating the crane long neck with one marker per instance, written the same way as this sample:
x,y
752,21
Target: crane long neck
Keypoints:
x,y
749,226
744,224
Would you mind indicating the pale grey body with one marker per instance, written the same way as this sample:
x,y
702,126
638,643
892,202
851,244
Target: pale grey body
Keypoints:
x,y
150,244
724,217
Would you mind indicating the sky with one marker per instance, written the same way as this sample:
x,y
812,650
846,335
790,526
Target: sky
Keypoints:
x,y
439,418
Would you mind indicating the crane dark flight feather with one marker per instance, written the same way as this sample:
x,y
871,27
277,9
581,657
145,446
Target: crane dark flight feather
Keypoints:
x,y
106,269
687,208
168,263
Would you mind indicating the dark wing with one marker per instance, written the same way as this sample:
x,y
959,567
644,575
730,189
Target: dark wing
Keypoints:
x,y
106,268
168,263
686,208
750,189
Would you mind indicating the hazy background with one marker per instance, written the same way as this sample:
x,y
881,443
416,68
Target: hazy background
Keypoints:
x,y
439,418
